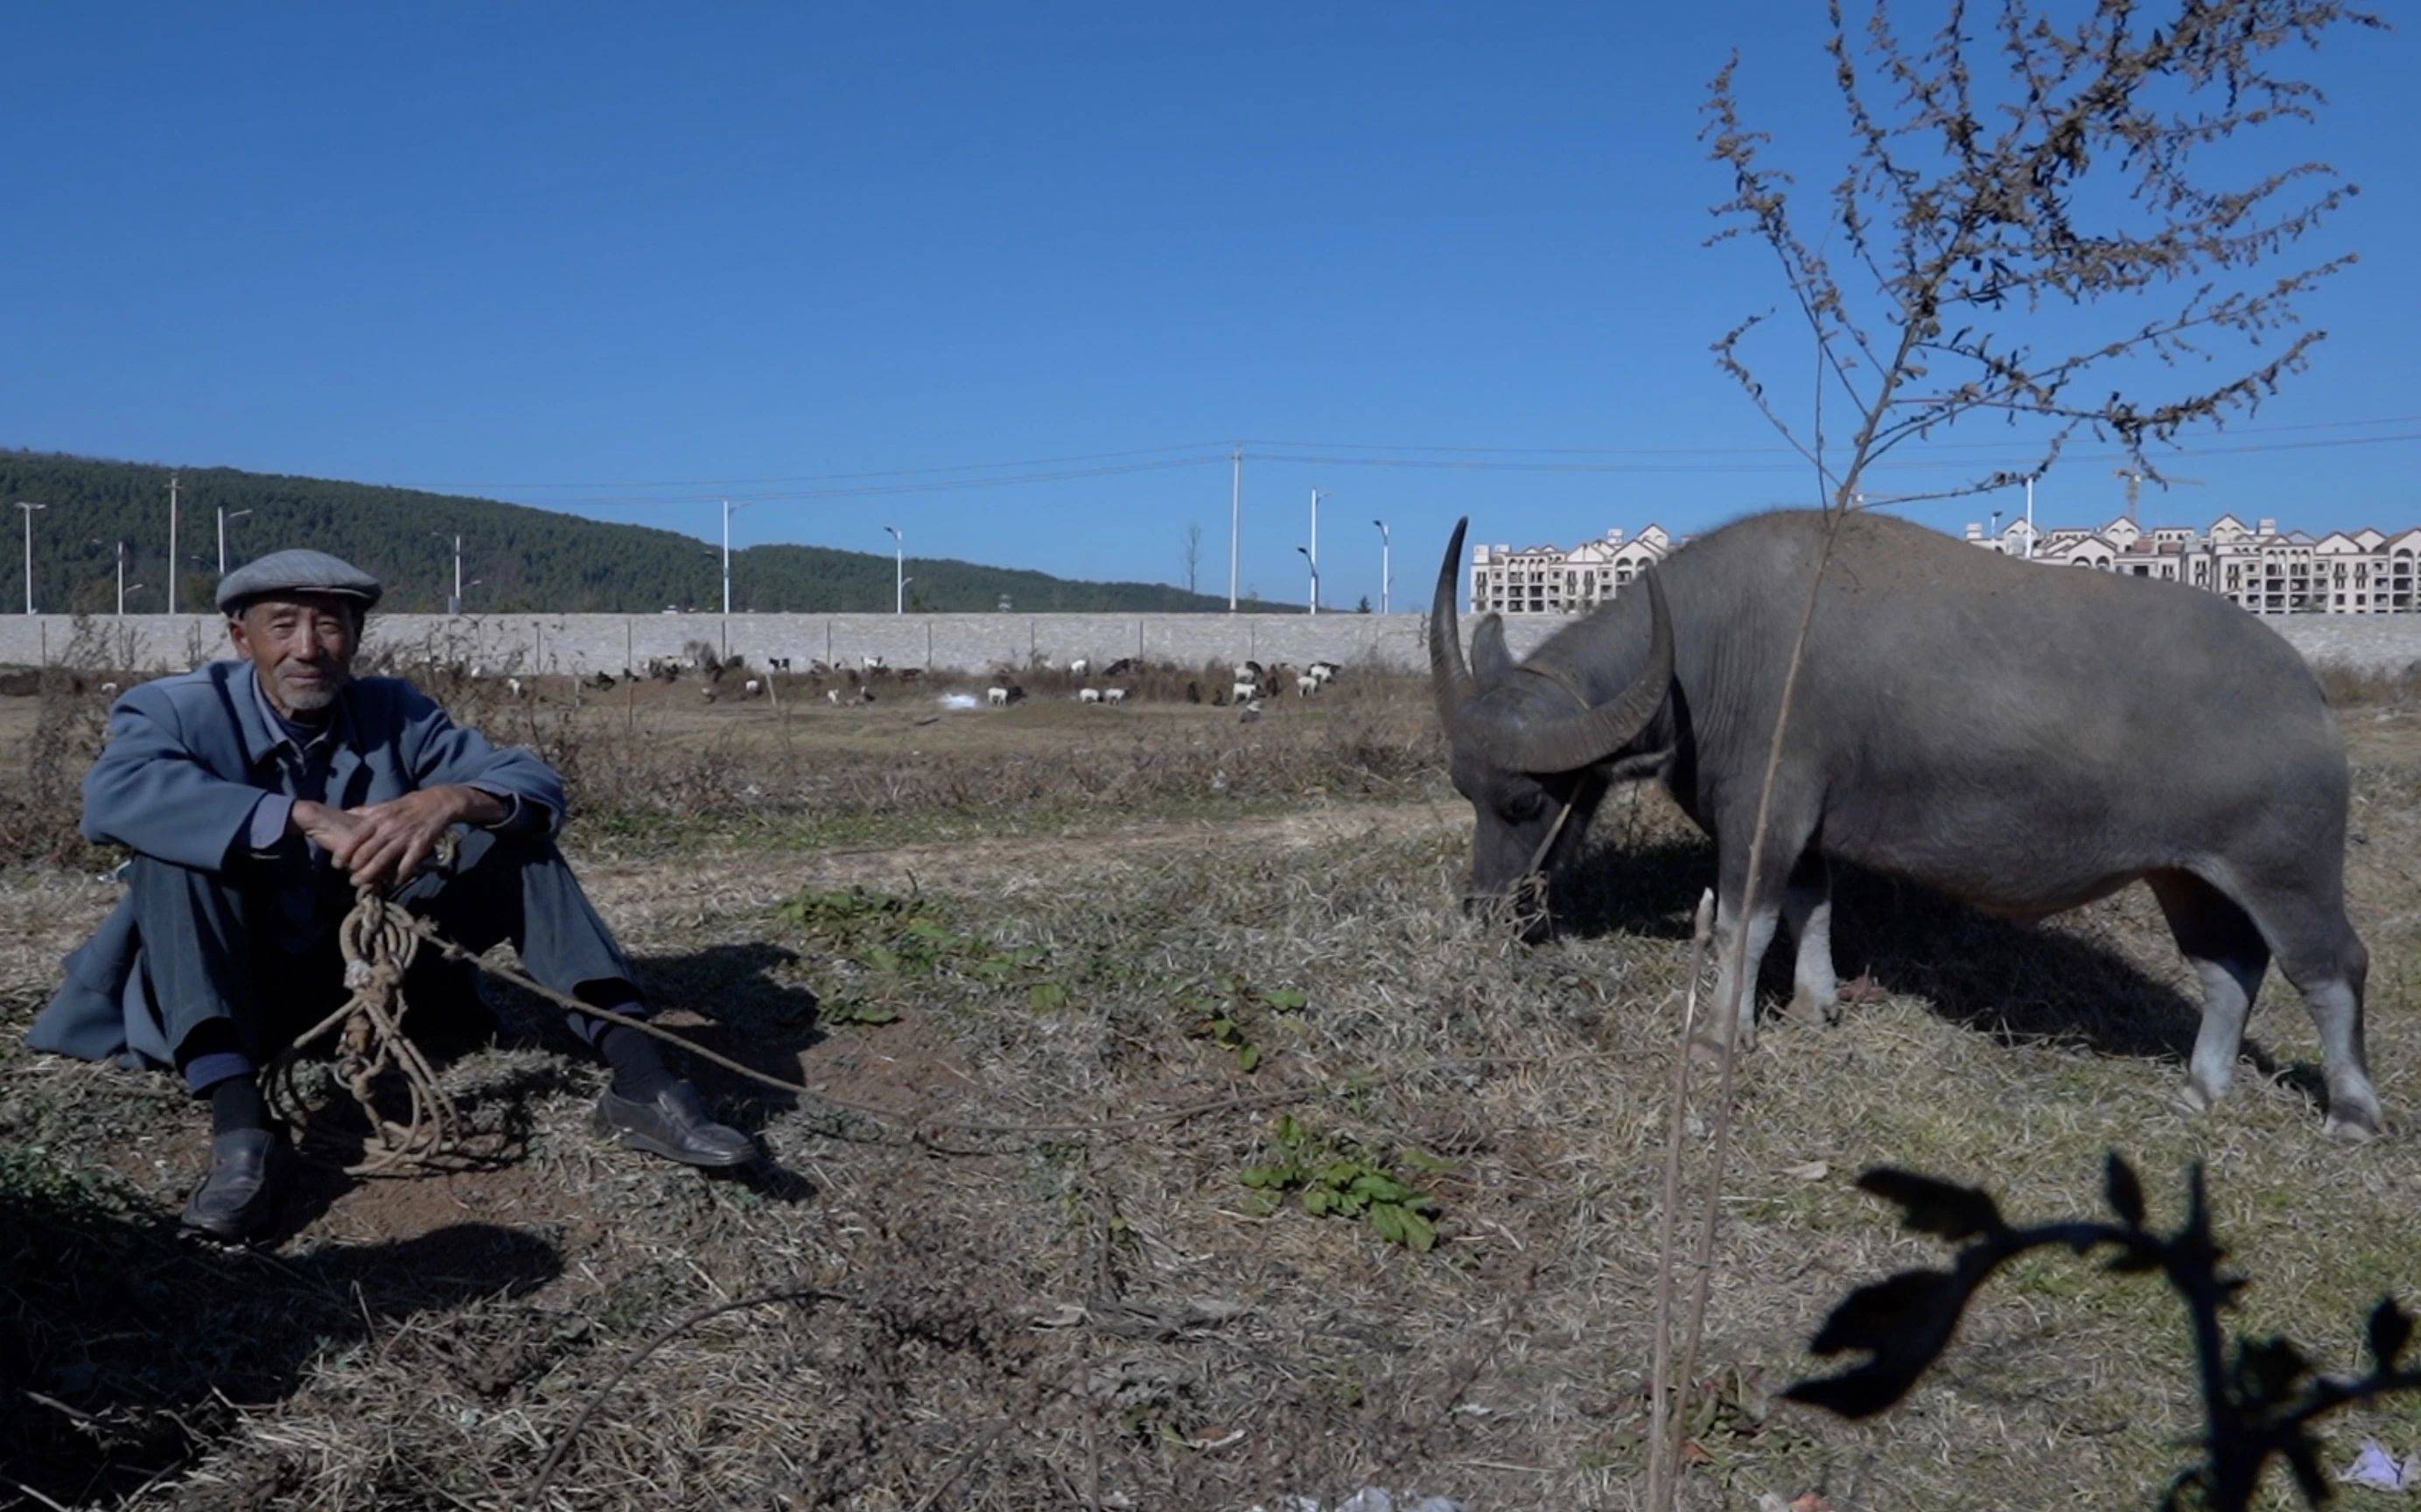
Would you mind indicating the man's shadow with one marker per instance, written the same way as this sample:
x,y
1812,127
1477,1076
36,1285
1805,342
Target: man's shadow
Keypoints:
x,y
753,1017
126,1347
2013,981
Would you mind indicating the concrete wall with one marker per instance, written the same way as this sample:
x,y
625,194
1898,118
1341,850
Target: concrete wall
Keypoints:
x,y
590,643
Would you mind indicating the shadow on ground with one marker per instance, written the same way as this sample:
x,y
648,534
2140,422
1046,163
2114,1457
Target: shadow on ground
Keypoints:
x,y
2013,981
128,1352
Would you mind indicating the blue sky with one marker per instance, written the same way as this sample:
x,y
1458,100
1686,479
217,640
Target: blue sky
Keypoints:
x,y
626,259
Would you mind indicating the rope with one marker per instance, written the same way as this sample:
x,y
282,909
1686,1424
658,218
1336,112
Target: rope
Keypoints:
x,y
380,940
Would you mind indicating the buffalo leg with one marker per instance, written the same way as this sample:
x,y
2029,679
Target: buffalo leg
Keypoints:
x,y
1733,1017
2319,953
1733,1013
1808,912
2228,953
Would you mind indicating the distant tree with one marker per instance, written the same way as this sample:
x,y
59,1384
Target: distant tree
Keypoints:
x,y
2040,161
1192,554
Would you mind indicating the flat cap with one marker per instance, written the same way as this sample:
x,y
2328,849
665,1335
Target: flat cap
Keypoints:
x,y
299,571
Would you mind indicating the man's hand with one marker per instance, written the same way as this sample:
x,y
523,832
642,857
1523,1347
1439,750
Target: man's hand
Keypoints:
x,y
387,842
332,830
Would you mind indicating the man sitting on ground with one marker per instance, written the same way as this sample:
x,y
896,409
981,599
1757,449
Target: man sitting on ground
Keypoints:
x,y
255,793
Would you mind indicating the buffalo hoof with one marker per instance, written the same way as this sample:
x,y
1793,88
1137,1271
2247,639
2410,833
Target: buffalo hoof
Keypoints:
x,y
1828,1007
1708,1049
2192,1099
2351,1127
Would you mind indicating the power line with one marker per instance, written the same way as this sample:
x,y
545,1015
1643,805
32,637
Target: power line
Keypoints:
x,y
937,486
1732,450
1334,453
833,477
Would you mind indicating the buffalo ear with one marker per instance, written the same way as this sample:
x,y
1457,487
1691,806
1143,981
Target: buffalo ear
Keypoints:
x,y
1490,658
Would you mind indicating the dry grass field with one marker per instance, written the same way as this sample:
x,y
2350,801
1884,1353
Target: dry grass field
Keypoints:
x,y
1137,983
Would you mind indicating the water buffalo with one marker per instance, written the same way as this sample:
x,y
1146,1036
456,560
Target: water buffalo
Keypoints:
x,y
2022,736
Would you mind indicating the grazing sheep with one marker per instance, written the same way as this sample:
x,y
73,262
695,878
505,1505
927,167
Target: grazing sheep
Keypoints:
x,y
1306,685
872,663
1114,696
753,688
1078,666
1245,692
832,695
997,698
1088,696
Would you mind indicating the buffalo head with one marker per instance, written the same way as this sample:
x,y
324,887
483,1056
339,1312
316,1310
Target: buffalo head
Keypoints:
x,y
1525,746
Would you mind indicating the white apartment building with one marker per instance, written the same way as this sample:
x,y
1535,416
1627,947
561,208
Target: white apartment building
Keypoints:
x,y
2256,567
1549,580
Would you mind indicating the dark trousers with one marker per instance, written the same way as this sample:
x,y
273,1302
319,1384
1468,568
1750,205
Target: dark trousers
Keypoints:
x,y
213,971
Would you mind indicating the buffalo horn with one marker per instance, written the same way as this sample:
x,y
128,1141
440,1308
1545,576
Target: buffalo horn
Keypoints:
x,y
1585,739
1451,677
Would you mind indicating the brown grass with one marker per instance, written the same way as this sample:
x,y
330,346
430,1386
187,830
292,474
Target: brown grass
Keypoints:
x,y
1062,1323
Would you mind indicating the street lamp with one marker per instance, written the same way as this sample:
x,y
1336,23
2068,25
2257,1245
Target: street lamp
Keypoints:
x,y
1314,576
898,572
1386,571
29,507
223,518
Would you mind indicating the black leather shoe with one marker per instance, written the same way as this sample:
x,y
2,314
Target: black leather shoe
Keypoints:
x,y
674,1126
242,1188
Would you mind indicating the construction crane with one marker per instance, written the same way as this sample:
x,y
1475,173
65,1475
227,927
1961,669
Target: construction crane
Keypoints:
x,y
2134,477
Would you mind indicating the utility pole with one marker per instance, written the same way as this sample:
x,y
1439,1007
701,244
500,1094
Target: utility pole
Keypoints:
x,y
1235,520
898,572
223,518
28,506
121,580
726,556
1313,554
2030,517
1386,571
454,605
172,543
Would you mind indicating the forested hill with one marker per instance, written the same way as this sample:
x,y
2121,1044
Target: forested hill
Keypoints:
x,y
524,558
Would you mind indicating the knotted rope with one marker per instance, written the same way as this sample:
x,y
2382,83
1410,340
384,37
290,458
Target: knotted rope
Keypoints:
x,y
379,939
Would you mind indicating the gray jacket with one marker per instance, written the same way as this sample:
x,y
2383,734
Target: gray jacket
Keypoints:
x,y
187,761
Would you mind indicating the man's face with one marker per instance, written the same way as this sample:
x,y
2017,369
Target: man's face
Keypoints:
x,y
303,646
